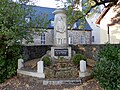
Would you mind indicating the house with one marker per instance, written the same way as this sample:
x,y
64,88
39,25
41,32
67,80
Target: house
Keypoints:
x,y
95,28
91,21
75,36
109,21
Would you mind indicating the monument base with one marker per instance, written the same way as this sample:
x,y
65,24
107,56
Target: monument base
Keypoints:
x,y
84,74
61,52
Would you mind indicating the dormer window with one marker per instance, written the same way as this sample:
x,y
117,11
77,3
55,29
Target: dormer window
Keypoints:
x,y
27,19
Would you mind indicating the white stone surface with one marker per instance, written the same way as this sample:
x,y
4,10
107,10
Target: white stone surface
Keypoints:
x,y
84,74
38,74
60,82
60,35
82,66
40,67
60,28
20,63
33,74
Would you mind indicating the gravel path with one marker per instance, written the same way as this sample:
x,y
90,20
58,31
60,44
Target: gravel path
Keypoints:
x,y
21,83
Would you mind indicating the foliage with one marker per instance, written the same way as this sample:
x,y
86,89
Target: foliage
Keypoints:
x,y
77,58
13,25
109,52
47,61
60,58
107,68
8,61
75,12
13,29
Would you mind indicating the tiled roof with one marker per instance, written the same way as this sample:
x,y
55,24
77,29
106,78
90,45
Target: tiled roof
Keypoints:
x,y
50,17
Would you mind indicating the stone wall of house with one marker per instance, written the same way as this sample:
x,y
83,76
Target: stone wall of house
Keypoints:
x,y
89,50
49,37
78,37
75,34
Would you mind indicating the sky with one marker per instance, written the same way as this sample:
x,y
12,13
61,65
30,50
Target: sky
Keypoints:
x,y
45,3
48,3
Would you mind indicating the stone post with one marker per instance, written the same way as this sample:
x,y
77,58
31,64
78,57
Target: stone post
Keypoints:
x,y
82,66
83,69
20,63
40,67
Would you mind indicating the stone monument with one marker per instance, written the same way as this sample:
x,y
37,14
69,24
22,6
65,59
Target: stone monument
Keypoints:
x,y
60,47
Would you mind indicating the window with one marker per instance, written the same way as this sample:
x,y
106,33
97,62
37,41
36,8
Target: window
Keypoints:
x,y
27,19
70,39
43,38
93,39
82,39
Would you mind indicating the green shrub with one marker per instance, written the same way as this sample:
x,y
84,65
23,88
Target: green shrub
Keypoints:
x,y
107,68
47,61
60,58
77,58
109,52
8,62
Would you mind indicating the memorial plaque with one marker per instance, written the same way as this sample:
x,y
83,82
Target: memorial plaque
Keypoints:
x,y
61,52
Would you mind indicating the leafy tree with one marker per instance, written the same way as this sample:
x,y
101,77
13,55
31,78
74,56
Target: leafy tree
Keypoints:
x,y
13,25
13,28
89,6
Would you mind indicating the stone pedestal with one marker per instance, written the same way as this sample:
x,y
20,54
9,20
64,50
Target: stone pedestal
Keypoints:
x,y
84,74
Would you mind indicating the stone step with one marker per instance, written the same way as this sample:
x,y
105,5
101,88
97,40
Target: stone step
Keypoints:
x,y
60,82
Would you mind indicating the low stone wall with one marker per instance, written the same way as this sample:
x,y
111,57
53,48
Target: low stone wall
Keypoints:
x,y
32,52
89,50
